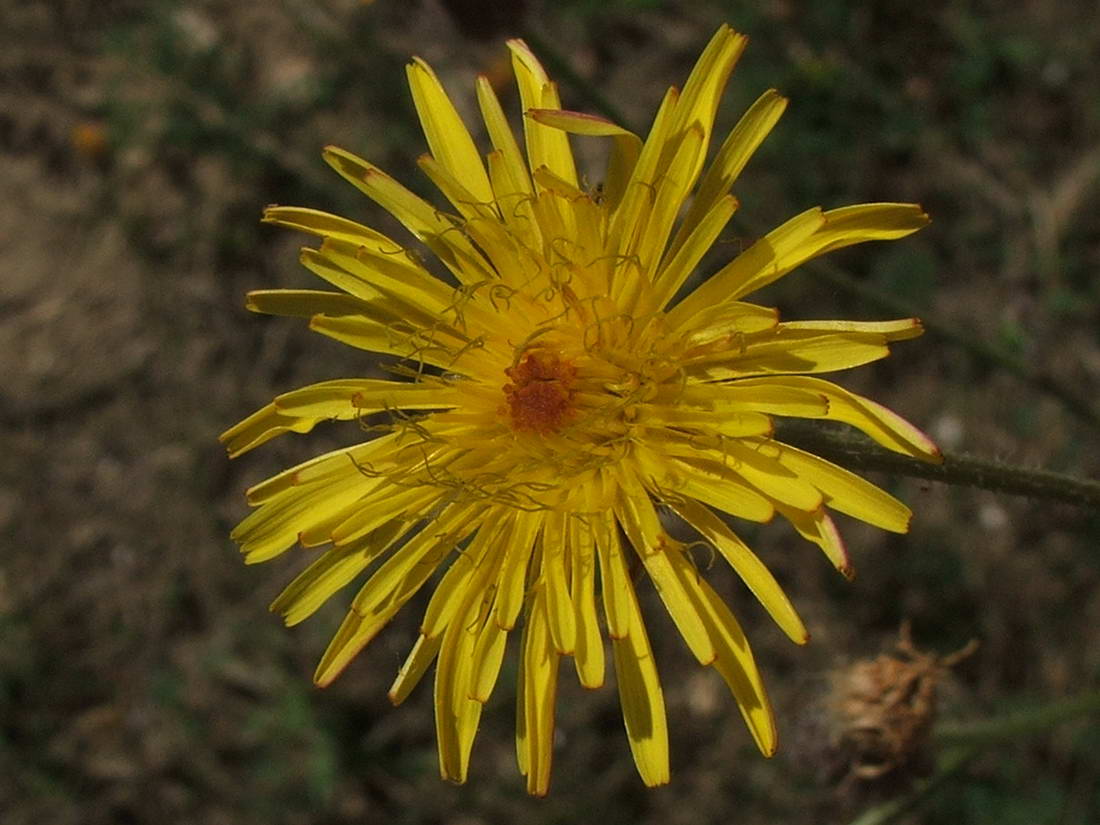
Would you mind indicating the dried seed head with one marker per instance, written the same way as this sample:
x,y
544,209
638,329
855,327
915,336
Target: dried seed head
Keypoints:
x,y
884,708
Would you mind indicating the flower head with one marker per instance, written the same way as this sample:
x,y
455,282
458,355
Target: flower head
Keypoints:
x,y
556,402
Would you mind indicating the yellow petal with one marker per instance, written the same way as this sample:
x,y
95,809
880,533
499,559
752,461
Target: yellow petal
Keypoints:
x,y
419,557
746,396
639,521
327,225
507,254
844,491
757,471
788,246
469,576
535,707
614,578
729,321
758,265
449,594
514,201
508,171
261,426
706,84
843,227
463,200
268,422
448,138
504,142
734,659
342,463
736,150
338,265
381,262
385,502
416,665
550,182
624,226
672,186
731,424
512,585
715,484
682,263
393,584
868,222
772,478
419,217
274,528
745,563
420,347
624,154
820,529
560,611
354,633
304,303
332,571
456,714
589,653
884,426
786,350
395,275
555,216
580,123
487,659
545,146
641,698
901,329
349,398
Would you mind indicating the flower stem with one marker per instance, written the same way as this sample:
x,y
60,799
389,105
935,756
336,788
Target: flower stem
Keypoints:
x,y
1019,723
856,452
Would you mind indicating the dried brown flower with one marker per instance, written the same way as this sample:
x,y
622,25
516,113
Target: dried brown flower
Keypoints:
x,y
885,707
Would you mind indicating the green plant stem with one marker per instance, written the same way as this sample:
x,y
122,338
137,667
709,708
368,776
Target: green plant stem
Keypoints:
x,y
856,452
1016,724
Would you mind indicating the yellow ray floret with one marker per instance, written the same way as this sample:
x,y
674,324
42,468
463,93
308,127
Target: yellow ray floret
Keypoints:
x,y
554,413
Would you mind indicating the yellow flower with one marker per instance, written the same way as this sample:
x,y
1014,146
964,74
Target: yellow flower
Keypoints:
x,y
557,405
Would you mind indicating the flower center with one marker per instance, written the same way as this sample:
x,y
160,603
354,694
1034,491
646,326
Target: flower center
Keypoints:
x,y
540,395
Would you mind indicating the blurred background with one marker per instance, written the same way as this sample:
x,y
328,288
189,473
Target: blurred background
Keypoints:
x,y
142,678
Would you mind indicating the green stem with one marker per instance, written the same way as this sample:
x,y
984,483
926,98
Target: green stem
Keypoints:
x,y
856,452
1019,723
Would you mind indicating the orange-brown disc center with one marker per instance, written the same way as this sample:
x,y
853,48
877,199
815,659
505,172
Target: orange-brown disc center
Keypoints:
x,y
540,395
